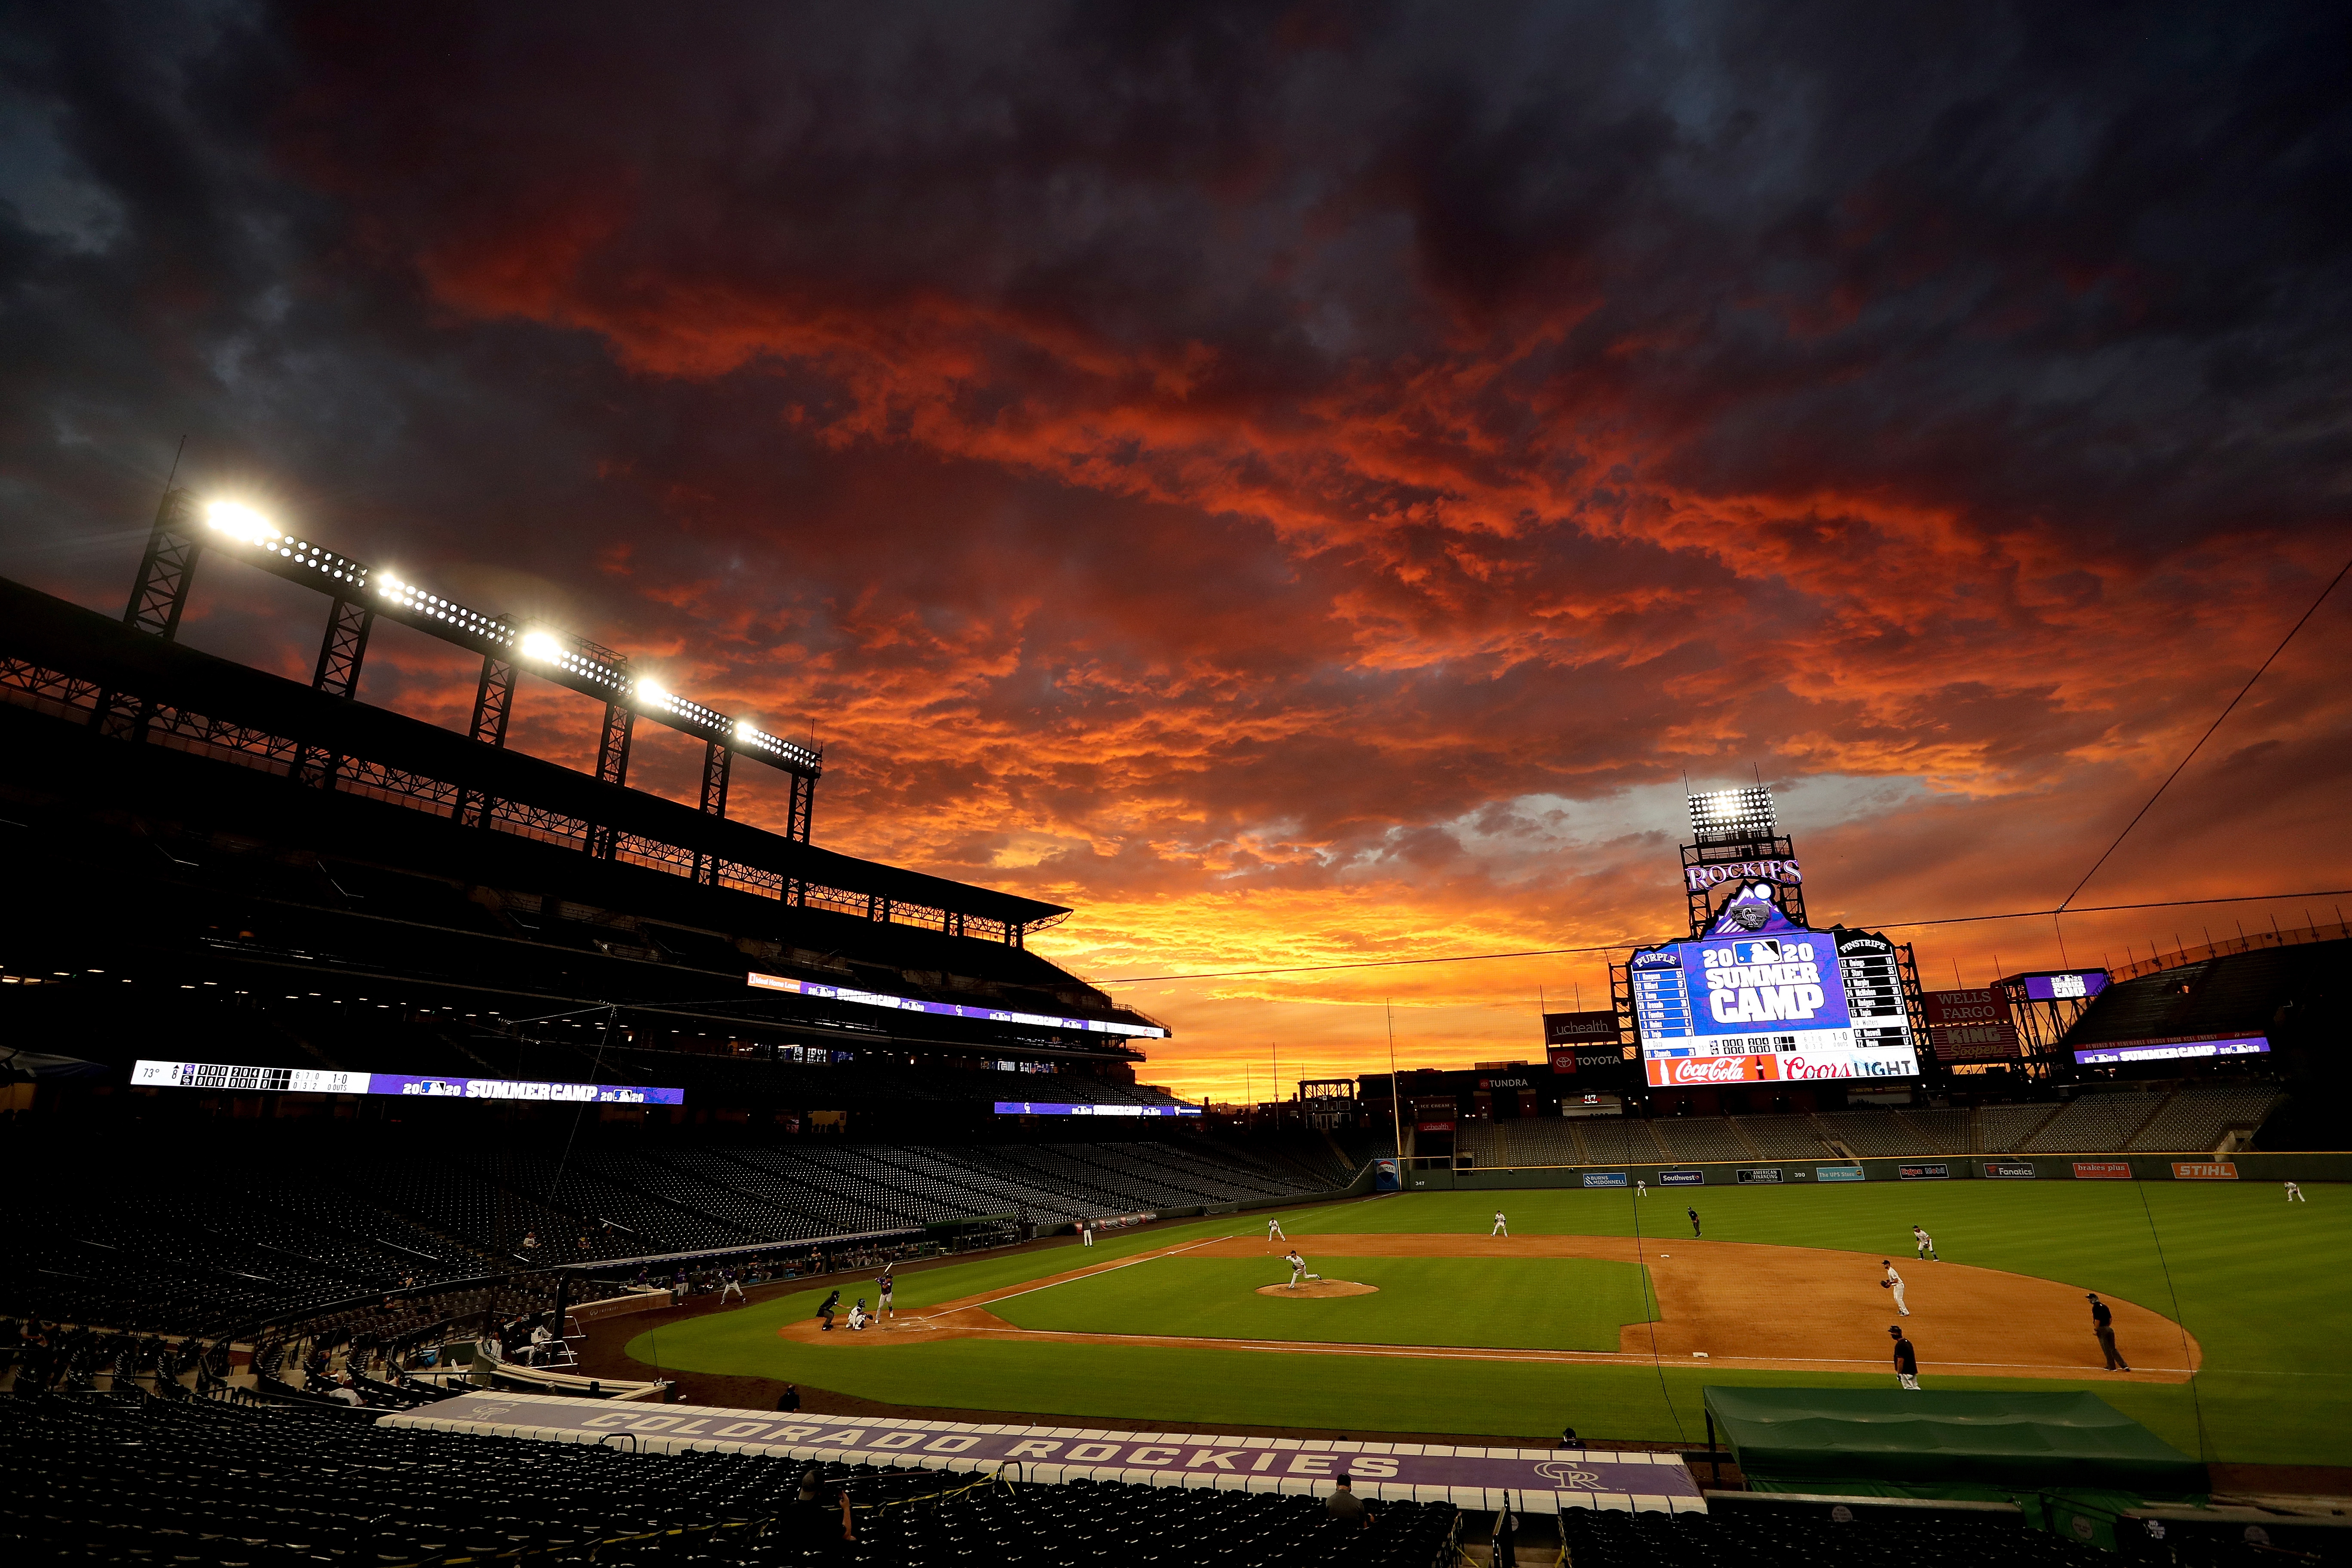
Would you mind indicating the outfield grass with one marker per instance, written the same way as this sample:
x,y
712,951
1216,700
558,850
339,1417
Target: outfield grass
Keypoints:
x,y
2258,1281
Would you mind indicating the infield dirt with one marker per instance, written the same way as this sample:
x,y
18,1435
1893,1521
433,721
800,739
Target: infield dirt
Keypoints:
x,y
1743,1305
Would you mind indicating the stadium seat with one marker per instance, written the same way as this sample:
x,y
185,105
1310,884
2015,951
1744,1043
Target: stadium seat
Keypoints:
x,y
119,1478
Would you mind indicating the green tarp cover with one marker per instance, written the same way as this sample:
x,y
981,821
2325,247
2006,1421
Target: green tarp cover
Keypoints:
x,y
1927,1437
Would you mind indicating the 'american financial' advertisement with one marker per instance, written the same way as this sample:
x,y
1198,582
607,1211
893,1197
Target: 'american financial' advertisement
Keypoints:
x,y
1777,1004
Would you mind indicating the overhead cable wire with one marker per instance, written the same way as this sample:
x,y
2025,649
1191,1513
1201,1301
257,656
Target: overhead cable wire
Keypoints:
x,y
2208,735
1621,946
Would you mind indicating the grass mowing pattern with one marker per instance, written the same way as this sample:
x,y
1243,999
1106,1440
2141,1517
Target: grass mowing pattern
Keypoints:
x,y
2260,1282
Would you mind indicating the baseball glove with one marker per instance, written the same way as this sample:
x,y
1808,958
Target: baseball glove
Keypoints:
x,y
1886,1284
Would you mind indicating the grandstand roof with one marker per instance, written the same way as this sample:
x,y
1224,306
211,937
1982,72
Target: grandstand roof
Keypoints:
x,y
99,655
2269,991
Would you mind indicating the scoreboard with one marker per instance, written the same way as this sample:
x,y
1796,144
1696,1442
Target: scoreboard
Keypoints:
x,y
314,1080
1782,1005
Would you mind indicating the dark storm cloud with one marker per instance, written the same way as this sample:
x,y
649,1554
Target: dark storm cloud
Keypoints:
x,y
1335,457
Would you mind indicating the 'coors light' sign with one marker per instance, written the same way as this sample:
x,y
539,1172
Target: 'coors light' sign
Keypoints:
x,y
1761,999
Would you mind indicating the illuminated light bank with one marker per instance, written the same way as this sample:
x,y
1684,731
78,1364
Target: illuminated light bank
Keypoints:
x,y
317,1080
947,1009
237,521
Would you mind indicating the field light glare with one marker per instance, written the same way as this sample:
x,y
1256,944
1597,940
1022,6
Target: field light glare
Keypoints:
x,y
651,692
239,522
539,645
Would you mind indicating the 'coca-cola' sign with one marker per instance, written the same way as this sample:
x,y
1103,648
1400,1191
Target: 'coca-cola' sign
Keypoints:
x,y
1675,1072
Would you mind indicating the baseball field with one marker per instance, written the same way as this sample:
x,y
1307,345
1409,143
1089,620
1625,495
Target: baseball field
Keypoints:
x,y
1601,1310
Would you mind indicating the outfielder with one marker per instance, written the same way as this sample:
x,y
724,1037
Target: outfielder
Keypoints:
x,y
1693,1214
1894,1282
1500,1227
1641,1189
1926,1244
1298,1267
2295,1195
1274,1230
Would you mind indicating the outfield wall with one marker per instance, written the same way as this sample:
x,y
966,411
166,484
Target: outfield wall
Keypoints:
x,y
2252,1166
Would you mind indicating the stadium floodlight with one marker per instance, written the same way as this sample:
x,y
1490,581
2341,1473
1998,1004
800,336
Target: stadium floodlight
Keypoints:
x,y
650,690
540,645
1733,816
433,607
240,521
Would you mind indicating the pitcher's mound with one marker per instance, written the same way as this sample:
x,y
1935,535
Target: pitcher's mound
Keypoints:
x,y
1319,1288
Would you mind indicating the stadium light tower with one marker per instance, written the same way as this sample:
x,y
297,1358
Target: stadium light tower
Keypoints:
x,y
184,526
1736,839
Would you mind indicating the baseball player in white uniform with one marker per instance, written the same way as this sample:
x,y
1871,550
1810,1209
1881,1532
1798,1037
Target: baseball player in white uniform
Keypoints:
x,y
1501,1228
1274,1230
858,1317
2295,1195
1894,1282
1641,1189
1927,1243
1298,1267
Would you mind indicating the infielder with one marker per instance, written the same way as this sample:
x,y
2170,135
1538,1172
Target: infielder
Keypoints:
x,y
1274,1230
1906,1360
1926,1243
1297,1268
1500,1227
1894,1282
2295,1195
883,1308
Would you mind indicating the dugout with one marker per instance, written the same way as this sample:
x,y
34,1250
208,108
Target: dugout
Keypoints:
x,y
1932,1443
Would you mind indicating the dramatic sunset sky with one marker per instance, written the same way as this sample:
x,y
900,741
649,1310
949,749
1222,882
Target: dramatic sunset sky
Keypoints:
x,y
1298,484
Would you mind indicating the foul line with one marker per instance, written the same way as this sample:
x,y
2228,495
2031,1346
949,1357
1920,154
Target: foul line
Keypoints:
x,y
987,1300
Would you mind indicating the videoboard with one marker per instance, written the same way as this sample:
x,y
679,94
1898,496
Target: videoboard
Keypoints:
x,y
2065,984
1058,1108
317,1080
947,1009
1761,999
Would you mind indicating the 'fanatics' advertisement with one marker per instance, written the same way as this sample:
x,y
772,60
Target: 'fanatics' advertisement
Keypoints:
x,y
1761,999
